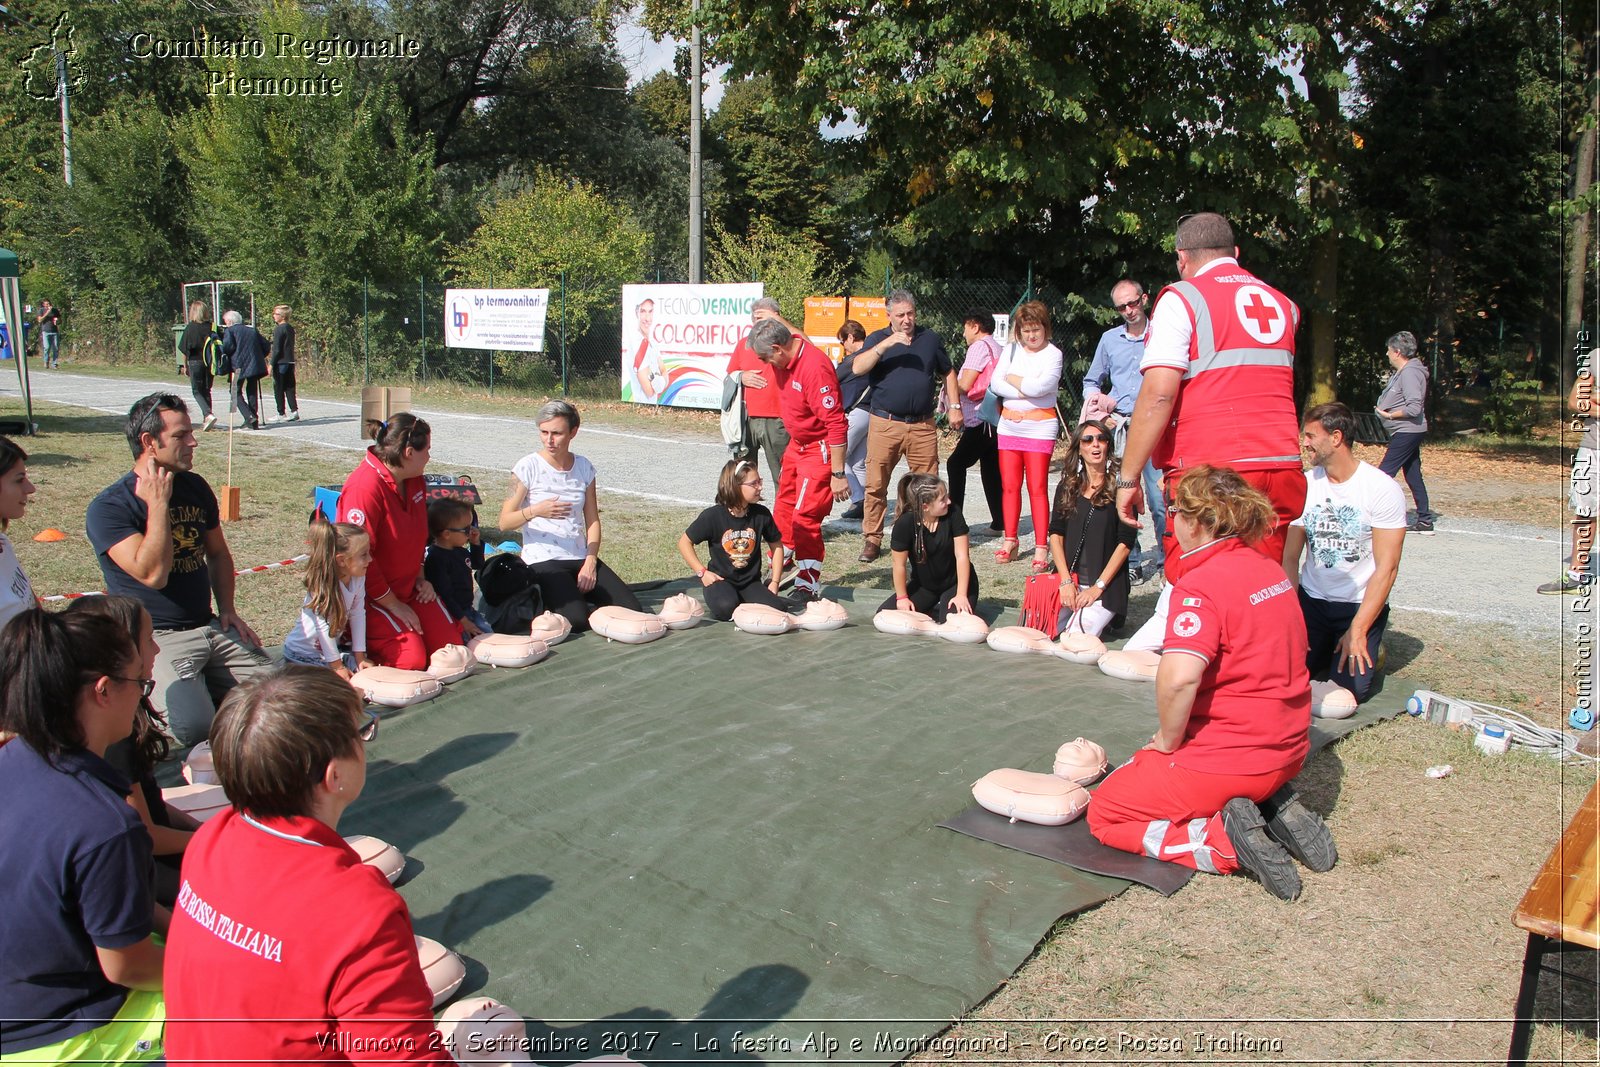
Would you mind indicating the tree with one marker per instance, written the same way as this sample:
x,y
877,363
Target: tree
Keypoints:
x,y
555,229
791,266
311,186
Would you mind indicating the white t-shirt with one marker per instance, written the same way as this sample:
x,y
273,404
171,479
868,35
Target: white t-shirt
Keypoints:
x,y
310,640
1339,519
16,595
547,539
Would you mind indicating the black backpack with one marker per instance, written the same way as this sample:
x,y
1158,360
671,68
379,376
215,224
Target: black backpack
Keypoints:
x,y
509,594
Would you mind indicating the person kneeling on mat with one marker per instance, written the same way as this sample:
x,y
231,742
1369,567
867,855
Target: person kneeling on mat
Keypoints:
x,y
318,951
1234,703
1354,526
552,498
733,531
933,571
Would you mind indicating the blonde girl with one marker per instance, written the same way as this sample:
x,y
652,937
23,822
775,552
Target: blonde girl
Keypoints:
x,y
733,531
336,600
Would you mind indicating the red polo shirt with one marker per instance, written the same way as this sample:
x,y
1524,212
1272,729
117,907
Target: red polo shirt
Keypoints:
x,y
396,518
285,947
1236,610
758,403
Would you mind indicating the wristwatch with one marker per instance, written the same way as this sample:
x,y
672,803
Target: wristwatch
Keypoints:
x,y
837,474
1099,583
1123,483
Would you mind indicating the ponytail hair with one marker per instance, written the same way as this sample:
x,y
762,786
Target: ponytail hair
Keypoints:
x,y
150,744
391,439
46,660
328,541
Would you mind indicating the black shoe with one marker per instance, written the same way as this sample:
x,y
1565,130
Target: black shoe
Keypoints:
x,y
1421,526
870,552
1299,830
801,597
1266,860
997,527
854,511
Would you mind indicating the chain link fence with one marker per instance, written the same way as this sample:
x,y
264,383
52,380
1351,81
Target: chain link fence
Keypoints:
x,y
400,336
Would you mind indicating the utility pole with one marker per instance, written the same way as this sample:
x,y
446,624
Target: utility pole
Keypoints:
x,y
695,215
66,121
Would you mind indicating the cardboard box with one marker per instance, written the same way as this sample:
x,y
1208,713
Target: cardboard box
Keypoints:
x,y
381,401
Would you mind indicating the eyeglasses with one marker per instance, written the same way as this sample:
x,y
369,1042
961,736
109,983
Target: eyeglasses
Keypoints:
x,y
1095,440
146,685
369,729
750,483
1130,305
458,529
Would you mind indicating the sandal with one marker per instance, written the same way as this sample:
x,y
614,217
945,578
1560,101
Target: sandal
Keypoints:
x,y
1041,563
1007,550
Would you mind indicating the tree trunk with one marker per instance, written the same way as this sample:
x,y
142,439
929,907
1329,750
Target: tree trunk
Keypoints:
x,y
1325,189
1578,233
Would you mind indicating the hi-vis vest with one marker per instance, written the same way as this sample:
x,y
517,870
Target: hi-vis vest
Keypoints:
x,y
1236,405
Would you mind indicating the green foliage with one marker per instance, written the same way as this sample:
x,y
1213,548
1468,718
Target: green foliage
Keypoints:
x,y
553,227
312,194
1512,406
790,266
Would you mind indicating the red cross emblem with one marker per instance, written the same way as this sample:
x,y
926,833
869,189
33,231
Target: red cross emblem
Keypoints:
x,y
1260,313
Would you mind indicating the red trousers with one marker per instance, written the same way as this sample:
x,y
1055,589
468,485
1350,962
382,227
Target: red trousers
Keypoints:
x,y
391,645
1015,466
805,496
1150,806
1285,488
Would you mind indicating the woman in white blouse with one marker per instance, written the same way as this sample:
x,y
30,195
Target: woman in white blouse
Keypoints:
x,y
16,595
1026,379
552,498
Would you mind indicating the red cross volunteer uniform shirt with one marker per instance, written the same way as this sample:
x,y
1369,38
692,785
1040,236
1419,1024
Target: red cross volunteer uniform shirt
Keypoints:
x,y
285,947
396,518
1236,610
809,391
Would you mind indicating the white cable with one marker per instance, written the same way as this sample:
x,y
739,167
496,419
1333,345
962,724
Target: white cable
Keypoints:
x,y
1526,734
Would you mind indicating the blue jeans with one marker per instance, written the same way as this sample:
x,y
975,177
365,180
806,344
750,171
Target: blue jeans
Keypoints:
x,y
1155,558
50,348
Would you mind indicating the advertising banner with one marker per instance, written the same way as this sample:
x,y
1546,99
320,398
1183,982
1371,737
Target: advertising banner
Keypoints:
x,y
870,312
677,339
510,320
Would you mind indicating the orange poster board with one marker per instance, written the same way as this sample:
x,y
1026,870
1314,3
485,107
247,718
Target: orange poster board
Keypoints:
x,y
870,312
824,316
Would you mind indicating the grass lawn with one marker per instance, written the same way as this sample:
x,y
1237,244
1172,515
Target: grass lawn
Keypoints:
x,y
1403,953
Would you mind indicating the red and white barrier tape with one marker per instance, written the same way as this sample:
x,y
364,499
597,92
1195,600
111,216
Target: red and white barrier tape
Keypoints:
x,y
243,570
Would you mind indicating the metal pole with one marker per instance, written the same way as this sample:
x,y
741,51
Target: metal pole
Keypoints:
x,y
422,321
66,120
695,209
563,333
365,355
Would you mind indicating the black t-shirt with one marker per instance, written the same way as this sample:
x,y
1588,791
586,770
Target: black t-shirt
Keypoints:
x,y
937,567
735,541
905,378
184,603
50,321
1100,531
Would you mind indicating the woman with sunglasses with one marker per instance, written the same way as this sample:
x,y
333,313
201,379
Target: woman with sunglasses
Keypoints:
x,y
733,531
284,946
80,973
1089,544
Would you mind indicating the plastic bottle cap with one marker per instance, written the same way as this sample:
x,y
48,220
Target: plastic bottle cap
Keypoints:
x,y
1494,731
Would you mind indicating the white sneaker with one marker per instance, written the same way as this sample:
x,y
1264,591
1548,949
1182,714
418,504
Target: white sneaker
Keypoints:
x,y
272,419
293,416
210,422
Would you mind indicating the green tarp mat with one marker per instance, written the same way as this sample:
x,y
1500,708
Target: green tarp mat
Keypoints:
x,y
720,846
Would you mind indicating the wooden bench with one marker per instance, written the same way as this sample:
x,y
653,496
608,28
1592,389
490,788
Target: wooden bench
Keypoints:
x,y
1560,908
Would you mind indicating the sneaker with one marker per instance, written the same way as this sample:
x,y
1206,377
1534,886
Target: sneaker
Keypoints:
x,y
209,423
801,597
273,419
854,511
1266,860
1565,584
1299,830
293,416
1136,575
1421,526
